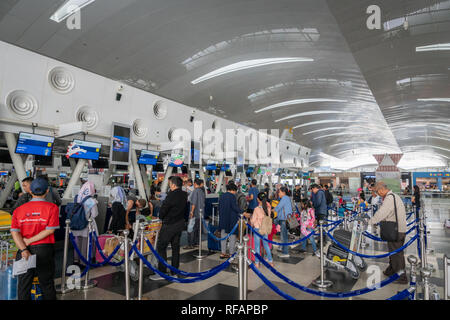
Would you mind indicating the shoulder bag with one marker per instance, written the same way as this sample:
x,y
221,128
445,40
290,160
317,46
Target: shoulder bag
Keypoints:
x,y
291,222
389,229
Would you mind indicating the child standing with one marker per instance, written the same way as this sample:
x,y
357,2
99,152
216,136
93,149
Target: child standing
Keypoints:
x,y
308,225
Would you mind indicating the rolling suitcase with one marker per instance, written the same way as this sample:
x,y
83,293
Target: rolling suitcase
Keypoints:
x,y
8,284
102,240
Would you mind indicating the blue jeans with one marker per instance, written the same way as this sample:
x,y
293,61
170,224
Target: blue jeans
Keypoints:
x,y
284,234
311,239
257,240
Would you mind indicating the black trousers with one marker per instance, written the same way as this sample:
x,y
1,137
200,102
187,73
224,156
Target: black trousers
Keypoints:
x,y
45,271
170,234
397,261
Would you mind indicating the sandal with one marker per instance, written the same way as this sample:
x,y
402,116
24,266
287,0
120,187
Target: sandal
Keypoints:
x,y
224,256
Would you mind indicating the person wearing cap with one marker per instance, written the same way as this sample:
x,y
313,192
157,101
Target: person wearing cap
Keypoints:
x,y
32,227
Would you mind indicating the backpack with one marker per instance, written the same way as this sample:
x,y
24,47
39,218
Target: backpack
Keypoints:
x,y
266,225
76,214
242,202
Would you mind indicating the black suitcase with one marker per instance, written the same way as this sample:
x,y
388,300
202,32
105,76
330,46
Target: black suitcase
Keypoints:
x,y
344,237
213,245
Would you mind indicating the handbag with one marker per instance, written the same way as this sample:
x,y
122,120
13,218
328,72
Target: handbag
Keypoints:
x,y
389,229
291,222
266,225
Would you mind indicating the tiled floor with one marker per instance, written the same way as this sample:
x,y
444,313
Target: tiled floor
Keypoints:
x,y
302,268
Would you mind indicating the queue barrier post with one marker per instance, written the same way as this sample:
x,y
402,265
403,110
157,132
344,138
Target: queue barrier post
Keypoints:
x,y
446,285
89,284
241,262
322,283
127,270
426,273
62,288
413,261
245,263
141,263
199,256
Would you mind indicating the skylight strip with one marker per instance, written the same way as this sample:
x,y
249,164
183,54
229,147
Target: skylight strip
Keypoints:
x,y
297,101
311,113
69,8
322,122
434,47
248,64
434,100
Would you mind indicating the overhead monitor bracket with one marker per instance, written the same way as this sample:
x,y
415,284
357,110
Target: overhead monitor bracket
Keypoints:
x,y
69,129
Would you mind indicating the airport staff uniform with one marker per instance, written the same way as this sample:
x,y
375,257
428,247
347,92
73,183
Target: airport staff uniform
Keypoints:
x,y
386,212
30,219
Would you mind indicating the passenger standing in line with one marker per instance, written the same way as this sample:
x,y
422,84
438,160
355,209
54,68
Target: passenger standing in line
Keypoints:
x,y
173,223
91,211
263,209
297,195
52,195
252,195
118,205
26,195
130,214
308,225
32,228
416,200
229,212
283,209
197,204
319,202
387,213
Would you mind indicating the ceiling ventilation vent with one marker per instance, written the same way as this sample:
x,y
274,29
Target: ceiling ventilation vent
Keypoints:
x,y
139,128
159,110
22,104
170,134
61,80
89,116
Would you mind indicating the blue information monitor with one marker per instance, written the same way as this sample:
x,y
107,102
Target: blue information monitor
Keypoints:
x,y
3,173
148,157
225,166
35,144
85,150
250,169
211,166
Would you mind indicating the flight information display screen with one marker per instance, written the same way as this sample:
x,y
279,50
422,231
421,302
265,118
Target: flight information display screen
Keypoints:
x,y
176,160
84,150
3,173
225,166
148,157
211,166
35,144
250,169
120,144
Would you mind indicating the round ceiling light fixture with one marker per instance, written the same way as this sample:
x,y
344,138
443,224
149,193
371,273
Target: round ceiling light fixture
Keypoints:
x,y
89,116
22,104
61,80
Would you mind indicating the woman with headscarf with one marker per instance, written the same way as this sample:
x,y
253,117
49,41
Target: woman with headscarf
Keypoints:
x,y
91,211
118,202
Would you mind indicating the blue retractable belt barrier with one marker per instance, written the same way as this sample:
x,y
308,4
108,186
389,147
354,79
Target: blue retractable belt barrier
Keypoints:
x,y
280,243
219,239
270,284
373,237
183,273
173,279
372,256
328,294
402,295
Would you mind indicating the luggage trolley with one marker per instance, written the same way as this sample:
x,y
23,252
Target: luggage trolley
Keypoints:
x,y
339,259
152,228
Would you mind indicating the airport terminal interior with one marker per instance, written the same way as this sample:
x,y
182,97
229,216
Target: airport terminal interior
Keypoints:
x,y
165,145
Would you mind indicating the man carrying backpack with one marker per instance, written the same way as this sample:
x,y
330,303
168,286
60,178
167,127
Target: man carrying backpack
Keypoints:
x,y
79,212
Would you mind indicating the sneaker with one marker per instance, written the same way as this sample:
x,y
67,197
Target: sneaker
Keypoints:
x,y
284,255
316,253
280,249
388,272
156,277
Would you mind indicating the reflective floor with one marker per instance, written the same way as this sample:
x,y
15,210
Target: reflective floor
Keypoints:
x,y
302,268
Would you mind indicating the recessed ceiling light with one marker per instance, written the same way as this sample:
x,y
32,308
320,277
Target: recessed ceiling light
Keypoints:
x,y
311,113
297,101
68,8
434,99
434,47
248,64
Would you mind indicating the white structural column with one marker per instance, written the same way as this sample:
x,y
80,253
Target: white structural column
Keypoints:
x,y
75,178
270,182
8,188
219,184
202,176
16,159
137,175
108,174
165,183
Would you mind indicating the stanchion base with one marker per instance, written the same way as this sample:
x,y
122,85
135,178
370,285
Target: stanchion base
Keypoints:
x,y
322,284
91,284
200,256
62,290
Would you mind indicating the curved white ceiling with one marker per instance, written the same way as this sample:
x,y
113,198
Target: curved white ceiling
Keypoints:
x,y
219,56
